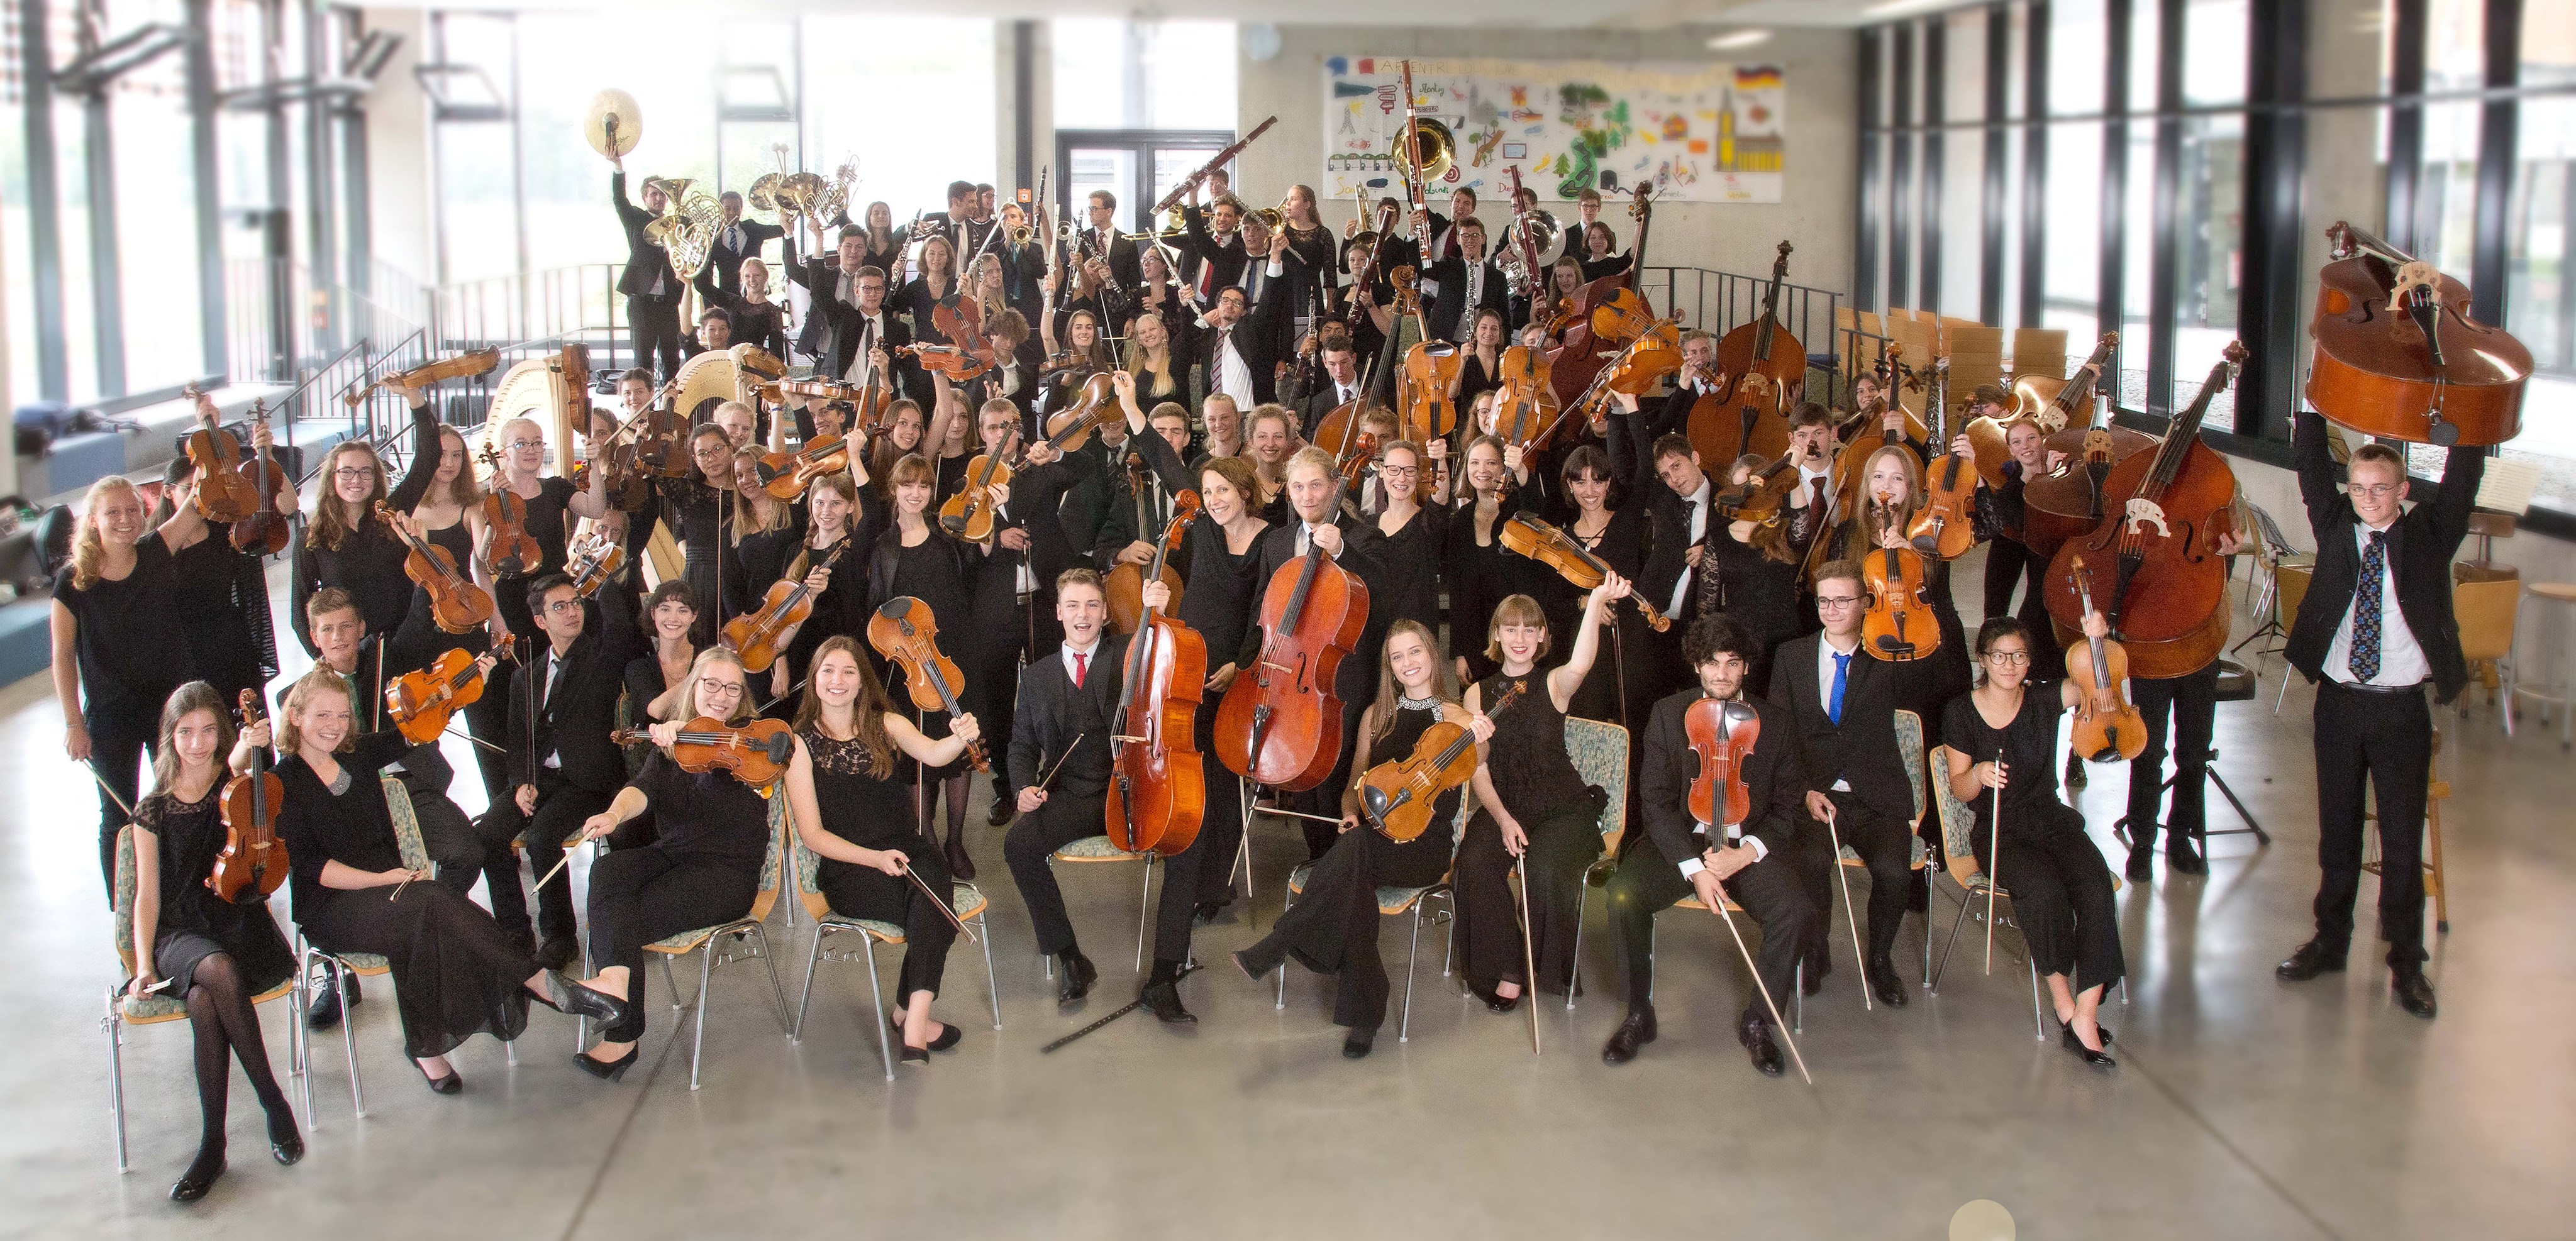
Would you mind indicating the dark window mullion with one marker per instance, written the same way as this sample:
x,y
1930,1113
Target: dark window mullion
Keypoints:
x,y
2034,153
2110,291
1936,56
1872,218
2164,242
2267,311
1900,164
2497,121
2407,30
1990,270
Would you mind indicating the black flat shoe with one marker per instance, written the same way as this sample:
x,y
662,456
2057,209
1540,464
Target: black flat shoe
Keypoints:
x,y
1356,1045
1495,1001
2309,960
1756,1037
566,996
2075,774
2413,991
607,1070
2185,861
1078,973
324,1010
2075,1044
1206,913
2141,867
948,1034
453,1083
1814,981
1001,813
1884,984
1243,961
960,866
1634,1032
909,1054
1165,1001
200,1177
2100,1031
286,1148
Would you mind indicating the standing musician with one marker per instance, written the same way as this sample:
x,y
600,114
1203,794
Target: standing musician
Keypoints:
x,y
223,591
345,546
937,281
918,558
655,680
1483,332
1212,247
840,591
563,767
1158,361
1464,283
1332,929
703,511
1891,493
1100,239
2002,738
1342,370
1060,732
1221,420
1678,856
1273,440
710,840
456,972
549,499
851,329
1240,346
1410,535
1529,802
2375,626
651,288
2008,559
750,317
1756,576
1681,514
713,333
445,504
1479,572
1592,479
111,651
848,799
737,241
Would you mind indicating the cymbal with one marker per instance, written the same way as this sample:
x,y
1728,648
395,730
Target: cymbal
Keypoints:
x,y
628,117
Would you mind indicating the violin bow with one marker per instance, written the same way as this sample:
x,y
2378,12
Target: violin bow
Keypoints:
x,y
1529,957
944,910
1049,777
1994,860
92,766
1718,907
1860,959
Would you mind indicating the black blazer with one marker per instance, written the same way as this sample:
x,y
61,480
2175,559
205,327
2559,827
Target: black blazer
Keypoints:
x,y
833,329
1199,248
1448,311
644,260
1669,516
1862,749
1126,263
1053,714
577,719
2421,545
1261,336
1363,553
1771,771
726,261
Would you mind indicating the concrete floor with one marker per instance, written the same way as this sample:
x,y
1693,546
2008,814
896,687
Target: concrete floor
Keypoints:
x,y
2243,1107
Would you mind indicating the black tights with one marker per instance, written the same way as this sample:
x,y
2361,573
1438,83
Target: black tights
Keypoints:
x,y
227,1028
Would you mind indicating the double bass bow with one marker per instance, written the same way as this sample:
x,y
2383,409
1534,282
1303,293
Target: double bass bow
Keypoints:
x,y
2399,357
253,857
1158,789
1545,543
904,632
1397,795
1281,723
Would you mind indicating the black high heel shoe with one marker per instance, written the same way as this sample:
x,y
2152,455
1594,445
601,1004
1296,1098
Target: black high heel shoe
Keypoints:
x,y
1494,1000
2074,1043
607,1070
2100,1031
574,999
453,1083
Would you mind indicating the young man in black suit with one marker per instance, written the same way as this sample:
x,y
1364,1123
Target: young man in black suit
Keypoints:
x,y
651,288
1757,861
849,331
1342,380
1842,703
1241,346
1099,239
1681,510
563,767
739,239
1062,724
1464,283
1213,248
2375,627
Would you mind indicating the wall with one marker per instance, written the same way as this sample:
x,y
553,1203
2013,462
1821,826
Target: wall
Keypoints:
x,y
398,189
1816,215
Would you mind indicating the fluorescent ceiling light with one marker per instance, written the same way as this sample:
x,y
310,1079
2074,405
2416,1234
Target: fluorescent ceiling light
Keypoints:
x,y
1898,8
1738,38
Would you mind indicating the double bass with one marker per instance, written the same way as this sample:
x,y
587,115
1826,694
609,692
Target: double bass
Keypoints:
x,y
1602,316
1281,723
1397,795
253,856
2062,505
2044,401
1125,584
1722,734
1158,789
903,632
2398,356
1761,370
2164,513
456,603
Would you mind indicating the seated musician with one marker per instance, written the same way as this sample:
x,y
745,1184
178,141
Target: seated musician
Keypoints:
x,y
1678,855
564,702
1059,767
702,869
1332,928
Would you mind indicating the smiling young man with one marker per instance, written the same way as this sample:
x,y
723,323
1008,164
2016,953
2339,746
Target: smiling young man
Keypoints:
x,y
1061,725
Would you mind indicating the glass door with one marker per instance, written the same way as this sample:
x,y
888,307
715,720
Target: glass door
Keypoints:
x,y
1137,165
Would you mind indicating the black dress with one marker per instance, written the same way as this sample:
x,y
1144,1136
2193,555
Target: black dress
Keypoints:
x,y
224,596
2060,889
126,673
1413,589
1480,576
368,564
874,811
1535,779
702,517
192,922
710,840
935,571
1474,380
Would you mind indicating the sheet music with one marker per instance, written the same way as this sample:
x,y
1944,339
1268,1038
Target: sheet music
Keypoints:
x,y
2508,485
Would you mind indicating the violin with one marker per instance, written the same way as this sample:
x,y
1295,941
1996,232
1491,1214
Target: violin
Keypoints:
x,y
1946,527
223,493
758,634
600,559
455,602
1764,498
870,400
756,753
1641,366
253,856
660,434
1900,625
904,632
1723,735
459,366
508,549
265,531
969,513
1397,796
1158,788
1281,723
2398,356
787,475
1762,369
1550,546
1525,402
1094,403
1125,585
2164,514
1424,409
421,702
1603,315
2108,727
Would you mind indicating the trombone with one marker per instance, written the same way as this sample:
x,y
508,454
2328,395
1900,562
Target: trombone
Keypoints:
x,y
1276,218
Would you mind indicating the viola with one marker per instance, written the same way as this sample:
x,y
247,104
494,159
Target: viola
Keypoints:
x,y
787,475
1946,527
758,635
1722,734
904,632
458,366
2398,356
455,602
755,753
1550,546
869,400
1125,585
421,702
253,856
2108,727
1602,316
265,530
1424,410
1158,787
969,513
2164,514
1761,369
1900,625
600,559
1397,796
1281,723
223,494
508,549
660,434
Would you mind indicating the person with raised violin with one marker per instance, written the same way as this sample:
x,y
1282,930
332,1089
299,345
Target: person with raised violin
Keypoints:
x,y
2375,627
1891,493
710,839
210,953
916,557
1332,927
840,591
1463,284
111,650
704,511
551,501
2002,743
1616,535
1530,802
1756,575
445,502
456,972
1678,856
563,767
345,546
1059,769
651,288
1484,337
851,809
221,589
2008,560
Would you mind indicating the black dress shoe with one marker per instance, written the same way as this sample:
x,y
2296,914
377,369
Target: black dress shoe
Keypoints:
x,y
1001,813
1756,1037
1814,981
1884,983
453,1083
607,1070
1495,1001
559,952
2182,857
1356,1045
324,1011
2075,1043
942,1041
200,1177
2100,1031
2414,992
566,996
1165,1001
960,866
1242,958
2142,865
285,1145
909,1054
1078,975
1634,1032
2309,960
1207,912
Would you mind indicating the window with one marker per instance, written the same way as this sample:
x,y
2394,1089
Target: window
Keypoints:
x,y
1113,73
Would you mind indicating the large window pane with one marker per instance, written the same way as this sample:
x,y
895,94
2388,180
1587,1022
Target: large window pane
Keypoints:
x,y
2074,231
860,70
2076,37
2214,71
2136,267
1113,73
1963,164
2540,304
2209,246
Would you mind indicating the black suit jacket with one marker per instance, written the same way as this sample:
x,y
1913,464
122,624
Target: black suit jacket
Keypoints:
x,y
1199,248
1771,772
2421,545
1448,317
727,260
1126,263
1053,714
1862,749
831,332
576,718
1261,336
1669,516
644,260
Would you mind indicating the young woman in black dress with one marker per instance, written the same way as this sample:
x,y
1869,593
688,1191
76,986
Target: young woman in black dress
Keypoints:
x,y
756,319
1609,520
1530,801
1891,493
657,680
2002,738
111,659
1154,360
552,501
852,809
1415,538
213,954
916,558
441,492
456,972
1480,571
904,426
223,592
1332,929
345,546
840,590
1487,338
702,513
702,869
920,297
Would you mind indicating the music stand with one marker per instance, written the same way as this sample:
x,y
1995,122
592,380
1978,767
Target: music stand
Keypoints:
x,y
2236,683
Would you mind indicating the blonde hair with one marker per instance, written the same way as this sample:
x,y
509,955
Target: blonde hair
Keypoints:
x,y
719,655
89,547
1870,515
1516,610
320,681
329,527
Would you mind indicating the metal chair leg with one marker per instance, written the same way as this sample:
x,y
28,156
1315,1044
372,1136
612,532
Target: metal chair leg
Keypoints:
x,y
115,1075
1251,891
673,983
777,993
876,1005
1927,933
1287,899
348,1040
992,985
1144,911
1574,973
813,955
1933,983
1798,1006
299,1040
698,1046
1412,953
2038,1027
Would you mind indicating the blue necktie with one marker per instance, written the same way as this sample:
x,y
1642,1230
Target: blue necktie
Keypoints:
x,y
1842,677
2364,656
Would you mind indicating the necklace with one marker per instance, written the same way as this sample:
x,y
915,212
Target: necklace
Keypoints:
x,y
1405,702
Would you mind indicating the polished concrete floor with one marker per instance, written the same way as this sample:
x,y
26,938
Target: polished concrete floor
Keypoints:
x,y
2243,1107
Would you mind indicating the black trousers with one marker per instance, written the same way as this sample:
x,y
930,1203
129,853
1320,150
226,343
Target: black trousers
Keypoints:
x,y
1066,817
1221,827
2060,893
1326,799
1884,844
119,741
1561,845
865,892
456,972
2191,702
488,718
642,895
561,810
1772,891
2386,741
1333,927
653,327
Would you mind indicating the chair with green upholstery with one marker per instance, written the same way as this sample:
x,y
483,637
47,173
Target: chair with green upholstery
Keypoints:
x,y
1600,754
1958,822
965,899
343,965
1096,850
743,934
1392,902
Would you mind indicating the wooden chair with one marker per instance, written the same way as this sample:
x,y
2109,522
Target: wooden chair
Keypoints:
x,y
1096,850
744,933
964,899
1391,902
2436,791
127,1010
1958,823
2485,601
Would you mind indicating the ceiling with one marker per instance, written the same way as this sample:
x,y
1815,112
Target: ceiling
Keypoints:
x,y
1522,14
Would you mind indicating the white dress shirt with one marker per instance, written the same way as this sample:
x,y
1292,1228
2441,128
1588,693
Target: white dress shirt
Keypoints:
x,y
1698,502
1090,657
2401,658
1233,374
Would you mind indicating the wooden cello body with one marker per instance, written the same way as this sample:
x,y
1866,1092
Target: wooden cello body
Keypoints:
x,y
1157,786
1602,317
1280,723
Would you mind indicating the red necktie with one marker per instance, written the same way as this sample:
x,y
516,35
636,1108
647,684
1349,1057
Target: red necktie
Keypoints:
x,y
1081,665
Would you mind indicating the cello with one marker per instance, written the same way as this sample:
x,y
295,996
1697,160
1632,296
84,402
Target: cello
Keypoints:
x,y
455,601
1562,552
508,549
758,635
756,753
1158,787
1281,723
1722,734
1762,369
904,632
253,856
2398,356
1397,795
421,702
2165,512
2108,727
1603,315
1125,583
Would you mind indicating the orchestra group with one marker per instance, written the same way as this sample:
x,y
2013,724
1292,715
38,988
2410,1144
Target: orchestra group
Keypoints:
x,y
1250,514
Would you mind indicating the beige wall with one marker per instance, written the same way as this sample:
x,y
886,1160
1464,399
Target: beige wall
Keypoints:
x,y
398,190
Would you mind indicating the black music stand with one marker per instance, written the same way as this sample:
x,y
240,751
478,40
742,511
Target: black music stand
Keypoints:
x,y
2236,683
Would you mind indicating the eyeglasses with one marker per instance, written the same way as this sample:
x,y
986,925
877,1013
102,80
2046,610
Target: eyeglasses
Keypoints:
x,y
354,472
523,445
561,607
1837,602
710,687
2008,659
2374,490
1399,471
